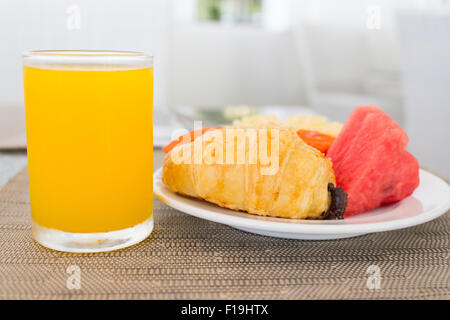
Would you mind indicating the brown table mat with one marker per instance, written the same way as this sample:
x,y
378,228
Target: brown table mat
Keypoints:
x,y
189,258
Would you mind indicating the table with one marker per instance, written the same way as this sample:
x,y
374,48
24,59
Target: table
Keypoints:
x,y
189,258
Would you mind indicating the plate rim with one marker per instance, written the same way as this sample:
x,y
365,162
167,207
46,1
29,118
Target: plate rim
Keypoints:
x,y
298,228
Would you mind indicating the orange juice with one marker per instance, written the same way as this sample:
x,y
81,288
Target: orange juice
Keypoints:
x,y
89,140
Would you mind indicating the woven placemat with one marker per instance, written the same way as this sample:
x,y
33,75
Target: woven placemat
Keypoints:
x,y
189,258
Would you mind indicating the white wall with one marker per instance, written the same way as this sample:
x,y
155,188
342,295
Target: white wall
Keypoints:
x,y
136,25
205,64
424,38
194,64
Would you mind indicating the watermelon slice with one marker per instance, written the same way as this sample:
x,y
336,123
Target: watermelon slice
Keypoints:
x,y
370,160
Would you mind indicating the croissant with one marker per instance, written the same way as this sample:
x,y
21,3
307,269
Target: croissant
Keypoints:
x,y
287,178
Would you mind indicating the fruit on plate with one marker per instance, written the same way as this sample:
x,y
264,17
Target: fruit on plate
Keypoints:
x,y
298,122
315,139
313,122
186,138
316,131
370,160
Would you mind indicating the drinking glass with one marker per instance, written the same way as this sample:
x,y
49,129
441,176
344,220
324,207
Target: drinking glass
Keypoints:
x,y
90,148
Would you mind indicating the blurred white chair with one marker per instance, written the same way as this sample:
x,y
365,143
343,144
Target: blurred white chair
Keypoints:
x,y
335,53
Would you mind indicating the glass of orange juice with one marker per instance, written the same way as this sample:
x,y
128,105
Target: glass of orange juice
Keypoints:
x,y
90,148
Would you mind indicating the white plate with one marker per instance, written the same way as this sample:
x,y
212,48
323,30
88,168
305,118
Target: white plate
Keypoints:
x,y
430,200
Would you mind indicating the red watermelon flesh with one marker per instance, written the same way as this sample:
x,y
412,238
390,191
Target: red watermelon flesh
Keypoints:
x,y
370,160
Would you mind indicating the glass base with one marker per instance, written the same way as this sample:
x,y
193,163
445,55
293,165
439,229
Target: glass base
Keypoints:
x,y
91,242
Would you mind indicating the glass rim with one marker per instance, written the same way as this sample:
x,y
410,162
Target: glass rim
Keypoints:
x,y
86,57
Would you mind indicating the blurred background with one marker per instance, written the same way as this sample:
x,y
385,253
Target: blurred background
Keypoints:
x,y
282,56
